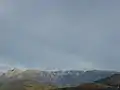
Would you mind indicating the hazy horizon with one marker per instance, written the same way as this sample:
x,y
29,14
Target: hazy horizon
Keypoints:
x,y
60,34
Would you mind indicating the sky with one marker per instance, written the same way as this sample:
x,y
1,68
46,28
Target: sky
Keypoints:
x,y
60,34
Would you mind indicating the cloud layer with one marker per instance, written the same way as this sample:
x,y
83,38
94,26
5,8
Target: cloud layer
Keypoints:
x,y
60,34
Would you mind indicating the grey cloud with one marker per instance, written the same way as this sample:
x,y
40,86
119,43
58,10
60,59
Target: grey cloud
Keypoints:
x,y
61,34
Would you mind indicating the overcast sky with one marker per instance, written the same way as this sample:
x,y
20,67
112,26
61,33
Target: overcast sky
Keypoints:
x,y
60,34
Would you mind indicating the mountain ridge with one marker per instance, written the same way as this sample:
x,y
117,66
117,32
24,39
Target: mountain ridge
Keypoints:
x,y
59,78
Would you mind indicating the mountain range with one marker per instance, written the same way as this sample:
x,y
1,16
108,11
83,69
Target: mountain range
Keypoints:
x,y
108,83
113,80
17,79
58,78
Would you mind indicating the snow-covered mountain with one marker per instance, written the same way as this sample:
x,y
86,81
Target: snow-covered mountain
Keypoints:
x,y
60,78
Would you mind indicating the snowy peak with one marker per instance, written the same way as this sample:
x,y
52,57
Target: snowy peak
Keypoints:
x,y
13,72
